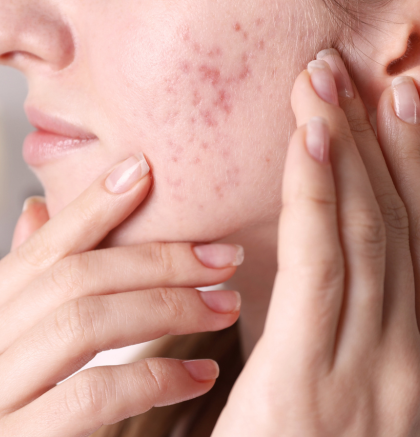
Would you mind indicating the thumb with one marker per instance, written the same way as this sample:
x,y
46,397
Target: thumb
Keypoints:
x,y
34,216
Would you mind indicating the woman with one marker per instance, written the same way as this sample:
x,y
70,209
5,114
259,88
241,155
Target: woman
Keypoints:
x,y
196,95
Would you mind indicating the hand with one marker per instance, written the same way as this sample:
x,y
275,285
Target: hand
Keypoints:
x,y
340,354
61,302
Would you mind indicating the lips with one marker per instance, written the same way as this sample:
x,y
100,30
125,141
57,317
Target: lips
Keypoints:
x,y
53,138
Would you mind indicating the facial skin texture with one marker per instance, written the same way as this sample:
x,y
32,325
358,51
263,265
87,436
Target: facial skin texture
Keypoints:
x,y
200,87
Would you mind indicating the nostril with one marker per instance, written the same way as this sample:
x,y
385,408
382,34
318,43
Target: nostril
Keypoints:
x,y
410,59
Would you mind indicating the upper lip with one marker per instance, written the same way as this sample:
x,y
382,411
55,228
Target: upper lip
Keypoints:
x,y
55,125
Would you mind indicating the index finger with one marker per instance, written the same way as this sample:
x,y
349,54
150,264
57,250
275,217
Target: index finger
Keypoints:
x,y
80,226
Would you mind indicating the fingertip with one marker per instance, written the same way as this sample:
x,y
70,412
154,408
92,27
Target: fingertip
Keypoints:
x,y
202,370
34,216
33,201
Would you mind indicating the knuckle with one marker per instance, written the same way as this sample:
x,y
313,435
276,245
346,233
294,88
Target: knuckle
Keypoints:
x,y
359,123
36,252
92,391
323,274
394,213
170,303
75,321
366,228
156,379
68,276
162,259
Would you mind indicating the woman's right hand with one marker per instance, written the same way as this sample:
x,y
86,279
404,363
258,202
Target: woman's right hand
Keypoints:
x,y
61,302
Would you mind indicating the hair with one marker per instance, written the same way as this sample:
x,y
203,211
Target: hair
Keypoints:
x,y
197,417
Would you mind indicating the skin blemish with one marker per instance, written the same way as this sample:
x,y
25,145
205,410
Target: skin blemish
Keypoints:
x,y
260,45
196,161
223,102
237,27
186,67
259,22
210,74
204,146
218,190
208,118
215,52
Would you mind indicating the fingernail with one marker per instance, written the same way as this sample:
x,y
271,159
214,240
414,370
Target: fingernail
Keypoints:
x,y
35,200
222,301
218,256
339,71
406,99
323,81
318,139
127,174
202,370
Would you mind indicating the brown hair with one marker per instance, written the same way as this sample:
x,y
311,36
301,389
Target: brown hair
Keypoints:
x,y
197,417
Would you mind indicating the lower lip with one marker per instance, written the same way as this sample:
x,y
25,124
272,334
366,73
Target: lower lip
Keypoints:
x,y
42,147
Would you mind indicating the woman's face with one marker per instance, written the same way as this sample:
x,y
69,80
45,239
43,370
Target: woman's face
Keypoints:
x,y
201,87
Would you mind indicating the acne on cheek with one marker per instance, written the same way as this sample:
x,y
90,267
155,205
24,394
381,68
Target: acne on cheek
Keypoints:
x,y
208,85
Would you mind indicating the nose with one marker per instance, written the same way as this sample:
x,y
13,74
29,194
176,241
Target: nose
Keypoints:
x,y
34,32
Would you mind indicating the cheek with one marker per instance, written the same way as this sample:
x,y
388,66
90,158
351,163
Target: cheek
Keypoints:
x,y
191,99
208,104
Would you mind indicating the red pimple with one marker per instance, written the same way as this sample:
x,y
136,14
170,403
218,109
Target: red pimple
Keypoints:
x,y
218,190
237,27
245,72
261,45
214,52
223,101
210,74
185,67
208,118
204,146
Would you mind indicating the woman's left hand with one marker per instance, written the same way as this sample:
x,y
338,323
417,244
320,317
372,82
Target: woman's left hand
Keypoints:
x,y
340,353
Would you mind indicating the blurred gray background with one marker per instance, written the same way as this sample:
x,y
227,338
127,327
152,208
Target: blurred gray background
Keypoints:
x,y
17,182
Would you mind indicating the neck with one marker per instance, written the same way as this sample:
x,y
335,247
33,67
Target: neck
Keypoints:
x,y
255,279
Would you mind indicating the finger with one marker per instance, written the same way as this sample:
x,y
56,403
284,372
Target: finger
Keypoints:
x,y
34,215
398,294
115,270
361,224
80,226
309,286
65,341
399,140
106,395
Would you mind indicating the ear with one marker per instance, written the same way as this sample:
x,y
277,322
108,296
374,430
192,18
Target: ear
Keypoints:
x,y
387,46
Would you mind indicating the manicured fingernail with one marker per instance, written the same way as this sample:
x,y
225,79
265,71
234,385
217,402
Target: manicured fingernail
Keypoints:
x,y
202,370
339,70
218,256
127,174
222,301
323,81
35,200
406,99
318,139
